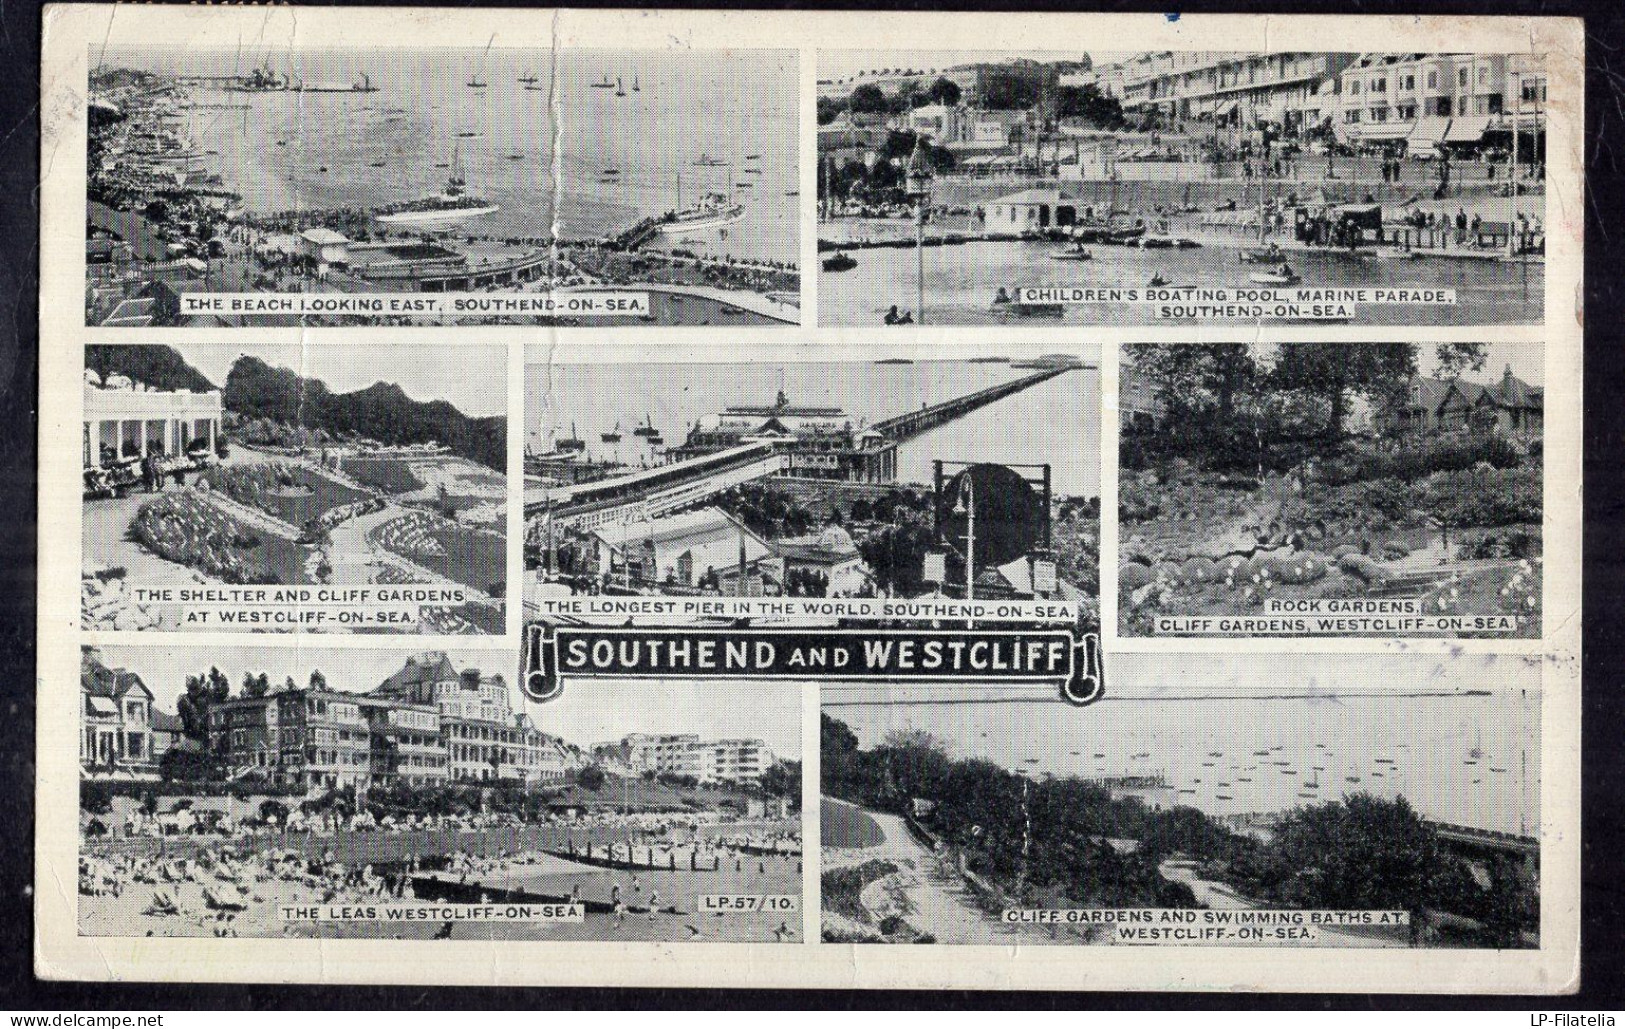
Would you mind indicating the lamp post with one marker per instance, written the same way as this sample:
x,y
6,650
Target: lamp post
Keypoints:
x,y
966,505
918,176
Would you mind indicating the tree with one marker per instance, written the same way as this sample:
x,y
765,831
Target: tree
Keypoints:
x,y
591,778
256,685
783,779
1456,358
1195,376
867,99
944,91
1333,372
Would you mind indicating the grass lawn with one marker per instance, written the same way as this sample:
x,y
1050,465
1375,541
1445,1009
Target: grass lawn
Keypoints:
x,y
845,826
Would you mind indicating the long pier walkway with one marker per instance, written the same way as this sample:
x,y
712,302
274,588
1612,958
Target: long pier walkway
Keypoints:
x,y
905,426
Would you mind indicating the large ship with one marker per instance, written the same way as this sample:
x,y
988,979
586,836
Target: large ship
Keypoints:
x,y
453,205
712,212
361,85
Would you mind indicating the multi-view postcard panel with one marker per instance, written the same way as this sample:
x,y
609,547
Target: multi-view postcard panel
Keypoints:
x,y
1331,489
527,185
965,476
416,795
1217,800
290,488
1176,188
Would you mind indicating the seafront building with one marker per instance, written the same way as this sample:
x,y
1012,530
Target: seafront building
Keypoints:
x,y
1292,89
120,735
740,761
1424,100
428,723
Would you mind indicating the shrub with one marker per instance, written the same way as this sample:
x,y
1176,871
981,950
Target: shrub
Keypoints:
x,y
1429,457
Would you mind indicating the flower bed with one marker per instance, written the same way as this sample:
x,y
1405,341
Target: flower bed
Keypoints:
x,y
187,529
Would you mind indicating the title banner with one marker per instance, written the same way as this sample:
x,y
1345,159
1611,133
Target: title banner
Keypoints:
x,y
1059,657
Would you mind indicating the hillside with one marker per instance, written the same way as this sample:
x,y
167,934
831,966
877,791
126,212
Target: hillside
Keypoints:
x,y
382,412
160,367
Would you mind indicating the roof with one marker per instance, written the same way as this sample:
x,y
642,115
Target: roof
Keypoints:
x,y
1035,196
98,680
433,666
705,525
163,721
1428,392
324,236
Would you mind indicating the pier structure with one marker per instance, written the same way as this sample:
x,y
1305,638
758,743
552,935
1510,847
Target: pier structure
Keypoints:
x,y
670,488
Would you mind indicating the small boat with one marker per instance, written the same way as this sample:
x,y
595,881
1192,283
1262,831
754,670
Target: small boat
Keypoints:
x,y
467,135
612,436
1223,796
528,78
572,444
753,157
840,262
604,83
377,164
1290,278
647,429
707,161
1501,771
323,168
281,142
1100,755
475,83
1268,256
1002,304
752,171
1073,253
744,185
516,157
1351,778
442,164
1384,760
610,171
792,192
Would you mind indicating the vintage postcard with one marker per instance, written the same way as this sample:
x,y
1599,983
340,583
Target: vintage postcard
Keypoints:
x,y
665,498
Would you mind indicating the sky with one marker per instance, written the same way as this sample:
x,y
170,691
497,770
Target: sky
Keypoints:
x,y
598,712
838,64
1528,361
588,712
473,377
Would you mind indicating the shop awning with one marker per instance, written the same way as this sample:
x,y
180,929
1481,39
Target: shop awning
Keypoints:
x,y
1467,130
1224,109
1429,131
1377,131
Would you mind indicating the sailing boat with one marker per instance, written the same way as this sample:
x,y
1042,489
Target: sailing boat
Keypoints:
x,y
475,82
620,90
614,435
528,78
635,87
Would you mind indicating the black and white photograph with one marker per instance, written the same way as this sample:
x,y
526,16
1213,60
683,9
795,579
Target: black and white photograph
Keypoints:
x,y
622,187
289,488
971,476
1118,188
1331,489
311,793
1212,799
